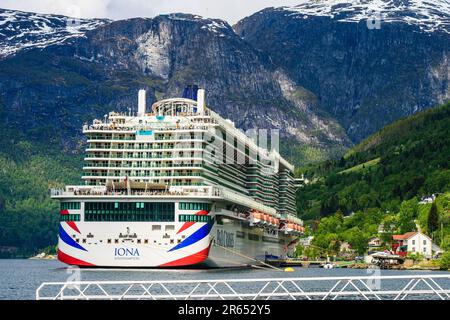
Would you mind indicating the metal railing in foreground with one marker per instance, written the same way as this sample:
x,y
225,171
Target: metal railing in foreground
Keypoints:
x,y
404,287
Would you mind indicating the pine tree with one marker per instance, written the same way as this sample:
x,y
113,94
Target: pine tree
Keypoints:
x,y
433,219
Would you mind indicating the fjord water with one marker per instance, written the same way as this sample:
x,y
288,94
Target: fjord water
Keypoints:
x,y
19,279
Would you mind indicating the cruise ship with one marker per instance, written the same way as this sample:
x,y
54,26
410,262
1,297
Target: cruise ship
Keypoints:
x,y
177,186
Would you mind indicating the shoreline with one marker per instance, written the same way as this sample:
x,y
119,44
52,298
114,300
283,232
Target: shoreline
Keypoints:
x,y
338,265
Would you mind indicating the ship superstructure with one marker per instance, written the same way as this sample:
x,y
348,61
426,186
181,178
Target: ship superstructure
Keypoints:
x,y
175,186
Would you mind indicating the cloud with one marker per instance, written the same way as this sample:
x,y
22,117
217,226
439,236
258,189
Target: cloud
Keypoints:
x,y
230,10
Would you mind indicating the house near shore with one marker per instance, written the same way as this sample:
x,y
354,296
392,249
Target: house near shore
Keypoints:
x,y
412,242
346,247
305,242
374,243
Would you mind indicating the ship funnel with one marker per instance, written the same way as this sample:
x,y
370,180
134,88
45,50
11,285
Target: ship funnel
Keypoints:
x,y
141,103
201,101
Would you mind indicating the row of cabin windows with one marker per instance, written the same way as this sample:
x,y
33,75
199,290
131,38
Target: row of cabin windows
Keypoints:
x,y
129,217
193,218
69,217
194,206
130,211
70,205
129,207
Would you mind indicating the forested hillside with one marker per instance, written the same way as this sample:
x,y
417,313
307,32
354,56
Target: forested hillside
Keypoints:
x,y
381,181
406,159
28,217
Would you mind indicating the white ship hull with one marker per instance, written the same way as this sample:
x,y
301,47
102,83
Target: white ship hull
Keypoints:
x,y
225,241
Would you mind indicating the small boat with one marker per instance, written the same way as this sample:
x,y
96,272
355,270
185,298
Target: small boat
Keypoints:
x,y
328,265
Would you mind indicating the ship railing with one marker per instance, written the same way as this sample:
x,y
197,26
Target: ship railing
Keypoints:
x,y
133,128
203,191
373,287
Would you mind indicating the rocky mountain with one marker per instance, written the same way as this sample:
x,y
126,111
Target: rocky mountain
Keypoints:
x,y
100,70
23,30
368,62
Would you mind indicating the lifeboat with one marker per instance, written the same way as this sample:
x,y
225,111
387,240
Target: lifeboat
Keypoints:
x,y
272,221
264,218
277,222
256,216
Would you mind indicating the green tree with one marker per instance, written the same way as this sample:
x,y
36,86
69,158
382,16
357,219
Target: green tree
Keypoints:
x,y
357,239
445,243
433,219
444,262
299,250
408,212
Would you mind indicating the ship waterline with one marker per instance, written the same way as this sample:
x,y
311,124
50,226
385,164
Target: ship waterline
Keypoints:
x,y
176,187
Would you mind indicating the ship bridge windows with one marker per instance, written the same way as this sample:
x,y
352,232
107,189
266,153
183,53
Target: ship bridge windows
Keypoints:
x,y
130,211
194,206
70,205
70,217
194,218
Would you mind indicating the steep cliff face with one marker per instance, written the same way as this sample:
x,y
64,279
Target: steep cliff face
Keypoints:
x,y
101,71
366,72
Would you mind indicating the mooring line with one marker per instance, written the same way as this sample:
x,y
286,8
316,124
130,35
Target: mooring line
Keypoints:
x,y
247,257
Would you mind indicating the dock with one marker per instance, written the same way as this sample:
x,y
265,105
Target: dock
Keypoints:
x,y
387,261
292,262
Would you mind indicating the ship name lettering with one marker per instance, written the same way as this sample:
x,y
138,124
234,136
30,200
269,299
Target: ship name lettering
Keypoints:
x,y
225,239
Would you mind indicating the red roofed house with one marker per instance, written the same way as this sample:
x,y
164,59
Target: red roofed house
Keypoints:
x,y
412,242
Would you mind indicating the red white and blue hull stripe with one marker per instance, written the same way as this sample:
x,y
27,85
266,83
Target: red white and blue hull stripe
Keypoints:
x,y
167,245
106,249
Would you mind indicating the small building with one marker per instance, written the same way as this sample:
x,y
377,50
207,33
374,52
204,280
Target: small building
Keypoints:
x,y
412,242
428,199
301,182
437,251
382,228
305,242
345,247
374,243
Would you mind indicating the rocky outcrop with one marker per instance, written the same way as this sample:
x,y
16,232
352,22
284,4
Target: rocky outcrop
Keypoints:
x,y
365,76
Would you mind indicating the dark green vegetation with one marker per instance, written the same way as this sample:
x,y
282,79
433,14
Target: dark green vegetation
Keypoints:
x,y
28,217
380,182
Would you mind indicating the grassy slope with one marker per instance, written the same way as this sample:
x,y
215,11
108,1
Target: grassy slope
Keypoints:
x,y
413,162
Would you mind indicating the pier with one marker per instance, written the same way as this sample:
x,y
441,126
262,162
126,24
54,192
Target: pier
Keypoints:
x,y
376,287
292,262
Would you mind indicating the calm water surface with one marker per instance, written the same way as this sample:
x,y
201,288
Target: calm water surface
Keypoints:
x,y
19,279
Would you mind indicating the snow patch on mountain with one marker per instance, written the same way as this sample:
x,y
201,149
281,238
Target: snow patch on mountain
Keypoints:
x,y
428,15
217,26
22,30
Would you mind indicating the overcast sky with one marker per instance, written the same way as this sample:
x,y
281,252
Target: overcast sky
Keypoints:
x,y
230,10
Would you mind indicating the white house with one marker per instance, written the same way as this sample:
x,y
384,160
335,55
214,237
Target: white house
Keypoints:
x,y
374,242
429,199
305,242
413,242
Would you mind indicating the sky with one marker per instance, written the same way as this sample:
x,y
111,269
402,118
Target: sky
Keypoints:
x,y
229,10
